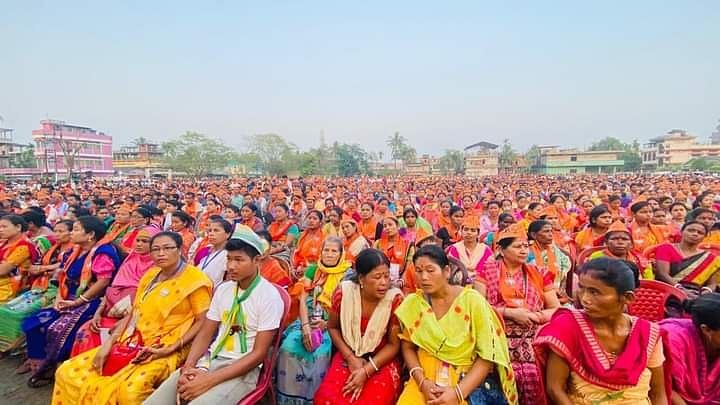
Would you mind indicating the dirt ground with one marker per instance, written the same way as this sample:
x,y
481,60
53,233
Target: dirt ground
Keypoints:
x,y
14,389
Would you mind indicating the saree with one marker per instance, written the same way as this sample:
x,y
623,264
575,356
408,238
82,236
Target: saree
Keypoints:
x,y
14,312
595,375
20,254
473,261
118,298
470,329
308,247
365,336
587,239
524,289
688,370
50,334
162,313
354,245
697,269
300,372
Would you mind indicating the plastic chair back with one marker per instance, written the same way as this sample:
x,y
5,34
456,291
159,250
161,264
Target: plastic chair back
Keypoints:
x,y
264,384
650,299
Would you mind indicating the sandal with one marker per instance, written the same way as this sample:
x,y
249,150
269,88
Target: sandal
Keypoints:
x,y
24,368
39,381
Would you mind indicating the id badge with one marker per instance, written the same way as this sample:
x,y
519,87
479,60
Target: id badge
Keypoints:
x,y
394,271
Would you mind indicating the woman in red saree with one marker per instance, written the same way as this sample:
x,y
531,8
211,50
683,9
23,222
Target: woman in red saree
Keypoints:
x,y
692,368
600,354
365,368
525,298
118,297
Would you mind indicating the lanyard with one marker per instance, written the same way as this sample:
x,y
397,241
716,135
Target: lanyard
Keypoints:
x,y
208,259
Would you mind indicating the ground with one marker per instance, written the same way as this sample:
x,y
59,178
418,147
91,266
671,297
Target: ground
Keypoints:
x,y
14,389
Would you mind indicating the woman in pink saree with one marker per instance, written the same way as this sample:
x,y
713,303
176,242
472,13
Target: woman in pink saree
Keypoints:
x,y
692,367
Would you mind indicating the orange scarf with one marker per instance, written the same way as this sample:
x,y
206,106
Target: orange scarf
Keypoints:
x,y
394,250
551,263
85,274
278,232
308,247
367,229
42,281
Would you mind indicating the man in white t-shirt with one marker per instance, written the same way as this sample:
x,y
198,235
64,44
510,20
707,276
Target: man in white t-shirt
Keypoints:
x,y
223,363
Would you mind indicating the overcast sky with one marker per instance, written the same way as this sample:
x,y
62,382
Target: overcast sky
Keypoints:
x,y
443,74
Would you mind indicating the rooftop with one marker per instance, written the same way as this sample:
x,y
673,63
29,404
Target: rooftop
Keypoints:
x,y
481,144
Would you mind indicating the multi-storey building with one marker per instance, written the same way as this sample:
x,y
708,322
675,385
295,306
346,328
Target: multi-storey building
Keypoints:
x,y
676,148
58,143
481,159
141,159
552,160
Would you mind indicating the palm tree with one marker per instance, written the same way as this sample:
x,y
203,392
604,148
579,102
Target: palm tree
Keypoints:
x,y
396,143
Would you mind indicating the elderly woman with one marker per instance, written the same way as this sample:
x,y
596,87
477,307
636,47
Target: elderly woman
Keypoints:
x,y
170,305
305,351
85,274
452,341
525,297
365,367
600,354
692,347
118,298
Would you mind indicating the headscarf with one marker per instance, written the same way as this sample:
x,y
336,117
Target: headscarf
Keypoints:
x,y
135,264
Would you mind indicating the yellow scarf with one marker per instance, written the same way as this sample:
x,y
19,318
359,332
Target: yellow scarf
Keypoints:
x,y
469,329
329,278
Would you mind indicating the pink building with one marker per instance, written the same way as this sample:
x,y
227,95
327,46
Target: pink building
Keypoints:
x,y
94,154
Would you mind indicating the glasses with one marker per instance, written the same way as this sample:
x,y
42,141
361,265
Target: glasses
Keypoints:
x,y
159,249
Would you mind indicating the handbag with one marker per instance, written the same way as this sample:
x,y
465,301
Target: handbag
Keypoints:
x,y
122,353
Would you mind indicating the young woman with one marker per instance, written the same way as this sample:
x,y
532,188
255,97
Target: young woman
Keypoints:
x,y
170,305
525,297
17,253
547,255
40,294
332,227
533,214
365,367
212,207
567,221
450,233
369,226
86,272
600,354
644,233
618,245
678,212
182,224
395,248
692,346
249,218
305,351
452,341
685,265
489,221
504,220
469,251
282,231
120,226
308,247
119,296
212,259
353,242
599,221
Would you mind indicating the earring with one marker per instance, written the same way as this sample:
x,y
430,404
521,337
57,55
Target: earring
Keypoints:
x,y
361,286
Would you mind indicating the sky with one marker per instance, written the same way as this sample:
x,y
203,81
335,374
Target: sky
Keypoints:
x,y
443,74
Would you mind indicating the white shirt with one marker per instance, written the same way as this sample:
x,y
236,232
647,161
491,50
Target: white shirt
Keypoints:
x,y
263,311
214,266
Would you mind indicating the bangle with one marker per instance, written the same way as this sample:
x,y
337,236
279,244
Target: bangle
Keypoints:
x,y
83,299
412,370
373,364
706,289
459,393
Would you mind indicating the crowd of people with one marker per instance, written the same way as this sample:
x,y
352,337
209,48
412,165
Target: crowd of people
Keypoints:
x,y
512,289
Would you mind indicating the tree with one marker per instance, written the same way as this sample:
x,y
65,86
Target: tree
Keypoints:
x,y
532,155
632,160
453,161
507,155
608,143
140,141
700,164
271,150
352,159
70,149
399,148
25,158
198,155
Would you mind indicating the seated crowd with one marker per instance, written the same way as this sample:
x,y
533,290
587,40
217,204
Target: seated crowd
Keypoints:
x,y
327,297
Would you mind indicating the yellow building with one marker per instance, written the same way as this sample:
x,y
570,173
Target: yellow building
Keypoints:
x,y
424,165
675,148
481,159
142,159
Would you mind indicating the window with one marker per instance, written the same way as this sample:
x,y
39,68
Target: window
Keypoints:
x,y
573,158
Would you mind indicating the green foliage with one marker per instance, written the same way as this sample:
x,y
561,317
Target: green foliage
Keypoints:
x,y
24,159
400,149
452,162
351,159
630,154
197,155
609,143
507,155
632,160
532,155
274,153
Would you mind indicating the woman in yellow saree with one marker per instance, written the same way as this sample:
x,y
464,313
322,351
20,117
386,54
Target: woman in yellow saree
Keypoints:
x,y
172,298
453,343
